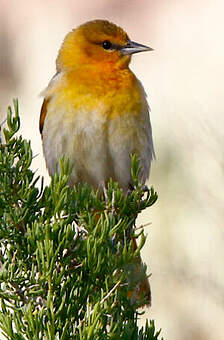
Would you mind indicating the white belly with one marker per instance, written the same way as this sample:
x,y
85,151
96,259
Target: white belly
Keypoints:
x,y
98,147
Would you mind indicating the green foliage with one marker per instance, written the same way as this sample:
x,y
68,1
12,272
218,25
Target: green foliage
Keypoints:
x,y
66,252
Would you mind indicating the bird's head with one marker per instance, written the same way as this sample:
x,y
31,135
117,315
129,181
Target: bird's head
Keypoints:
x,y
95,42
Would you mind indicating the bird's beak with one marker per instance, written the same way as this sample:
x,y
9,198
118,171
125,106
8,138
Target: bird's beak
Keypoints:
x,y
133,47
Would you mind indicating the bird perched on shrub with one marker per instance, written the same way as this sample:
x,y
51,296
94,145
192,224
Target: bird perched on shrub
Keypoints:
x,y
95,110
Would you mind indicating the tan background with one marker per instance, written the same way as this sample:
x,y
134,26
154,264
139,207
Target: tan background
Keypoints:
x,y
183,78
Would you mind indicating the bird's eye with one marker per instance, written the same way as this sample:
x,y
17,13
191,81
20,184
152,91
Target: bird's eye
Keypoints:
x,y
106,44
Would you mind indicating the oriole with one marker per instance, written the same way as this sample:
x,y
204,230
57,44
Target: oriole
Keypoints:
x,y
95,109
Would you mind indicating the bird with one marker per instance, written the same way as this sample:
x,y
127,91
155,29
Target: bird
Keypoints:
x,y
95,110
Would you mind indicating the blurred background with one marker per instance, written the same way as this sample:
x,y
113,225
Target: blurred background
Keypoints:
x,y
183,78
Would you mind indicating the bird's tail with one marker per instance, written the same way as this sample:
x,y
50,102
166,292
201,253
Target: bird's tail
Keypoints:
x,y
141,293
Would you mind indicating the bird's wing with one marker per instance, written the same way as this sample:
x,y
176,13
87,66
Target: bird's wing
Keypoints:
x,y
47,96
43,113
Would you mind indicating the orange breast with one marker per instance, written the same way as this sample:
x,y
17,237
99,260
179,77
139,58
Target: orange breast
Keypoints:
x,y
113,92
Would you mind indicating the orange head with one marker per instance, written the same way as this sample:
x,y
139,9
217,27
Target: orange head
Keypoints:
x,y
95,42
